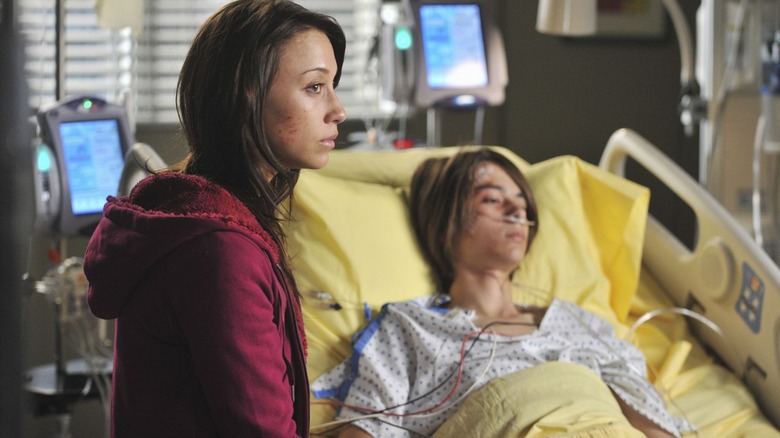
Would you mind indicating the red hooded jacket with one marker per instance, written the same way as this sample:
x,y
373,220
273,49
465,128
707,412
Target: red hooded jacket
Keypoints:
x,y
209,339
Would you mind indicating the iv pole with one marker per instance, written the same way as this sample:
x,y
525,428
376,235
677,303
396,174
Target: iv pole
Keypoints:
x,y
59,49
59,90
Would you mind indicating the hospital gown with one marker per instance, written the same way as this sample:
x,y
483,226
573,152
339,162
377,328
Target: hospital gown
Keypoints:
x,y
406,361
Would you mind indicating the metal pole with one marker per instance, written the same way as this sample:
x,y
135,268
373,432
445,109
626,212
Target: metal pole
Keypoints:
x,y
59,49
15,194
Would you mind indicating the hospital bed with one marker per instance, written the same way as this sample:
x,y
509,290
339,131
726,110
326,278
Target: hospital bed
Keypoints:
x,y
707,318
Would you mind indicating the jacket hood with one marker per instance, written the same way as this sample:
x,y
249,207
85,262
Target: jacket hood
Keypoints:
x,y
162,212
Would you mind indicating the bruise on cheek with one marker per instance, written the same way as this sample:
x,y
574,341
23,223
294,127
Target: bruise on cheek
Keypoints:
x,y
287,126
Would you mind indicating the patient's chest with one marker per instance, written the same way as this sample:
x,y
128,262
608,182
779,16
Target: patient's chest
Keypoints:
x,y
421,362
450,344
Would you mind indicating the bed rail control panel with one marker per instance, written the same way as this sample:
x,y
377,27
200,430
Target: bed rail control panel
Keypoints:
x,y
751,300
745,305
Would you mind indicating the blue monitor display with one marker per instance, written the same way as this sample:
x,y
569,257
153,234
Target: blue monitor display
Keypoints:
x,y
459,55
92,152
86,139
453,45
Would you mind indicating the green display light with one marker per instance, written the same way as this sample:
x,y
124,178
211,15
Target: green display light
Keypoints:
x,y
403,38
86,104
44,160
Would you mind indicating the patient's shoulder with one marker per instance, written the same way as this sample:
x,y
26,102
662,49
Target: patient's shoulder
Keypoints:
x,y
427,303
425,313
565,314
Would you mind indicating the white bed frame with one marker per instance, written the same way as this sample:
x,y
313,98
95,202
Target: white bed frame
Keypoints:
x,y
727,277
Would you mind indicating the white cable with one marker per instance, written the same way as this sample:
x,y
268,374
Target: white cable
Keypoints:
x,y
679,310
719,101
479,124
758,234
473,385
345,421
518,220
653,313
683,31
65,286
426,414
80,332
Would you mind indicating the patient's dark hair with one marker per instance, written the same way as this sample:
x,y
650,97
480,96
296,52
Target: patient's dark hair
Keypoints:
x,y
440,210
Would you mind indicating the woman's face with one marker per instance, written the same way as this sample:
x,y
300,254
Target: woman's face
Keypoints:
x,y
302,110
496,236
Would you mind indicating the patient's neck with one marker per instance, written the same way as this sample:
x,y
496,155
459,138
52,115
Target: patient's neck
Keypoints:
x,y
490,297
489,294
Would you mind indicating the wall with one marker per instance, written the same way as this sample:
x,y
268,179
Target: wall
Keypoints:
x,y
567,96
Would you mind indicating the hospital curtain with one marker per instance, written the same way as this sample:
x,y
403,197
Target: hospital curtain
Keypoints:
x,y
142,68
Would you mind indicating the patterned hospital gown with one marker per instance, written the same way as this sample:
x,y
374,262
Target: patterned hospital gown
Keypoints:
x,y
406,361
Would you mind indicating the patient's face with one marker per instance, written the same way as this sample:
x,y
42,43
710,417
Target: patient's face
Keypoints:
x,y
494,238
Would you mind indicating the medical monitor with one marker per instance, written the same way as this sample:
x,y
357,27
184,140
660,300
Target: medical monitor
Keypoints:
x,y
88,139
460,54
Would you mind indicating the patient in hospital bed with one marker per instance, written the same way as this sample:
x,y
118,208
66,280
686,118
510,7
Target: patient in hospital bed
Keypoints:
x,y
419,361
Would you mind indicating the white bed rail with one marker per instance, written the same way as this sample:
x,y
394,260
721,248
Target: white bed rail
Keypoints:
x,y
727,277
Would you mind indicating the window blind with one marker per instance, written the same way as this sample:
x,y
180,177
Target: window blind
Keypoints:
x,y
169,28
141,70
98,62
359,19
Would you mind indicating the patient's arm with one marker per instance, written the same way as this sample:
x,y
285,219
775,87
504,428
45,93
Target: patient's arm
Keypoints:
x,y
353,432
639,421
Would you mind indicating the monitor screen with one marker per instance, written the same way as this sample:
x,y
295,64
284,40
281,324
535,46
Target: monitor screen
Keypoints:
x,y
92,152
453,45
88,139
459,55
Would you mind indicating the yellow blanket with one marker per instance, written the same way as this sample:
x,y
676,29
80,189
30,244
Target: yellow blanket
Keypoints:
x,y
556,399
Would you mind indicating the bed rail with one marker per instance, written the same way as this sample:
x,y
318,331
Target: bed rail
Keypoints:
x,y
727,277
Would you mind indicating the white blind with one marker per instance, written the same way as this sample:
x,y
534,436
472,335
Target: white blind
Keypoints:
x,y
169,28
98,62
359,19
117,65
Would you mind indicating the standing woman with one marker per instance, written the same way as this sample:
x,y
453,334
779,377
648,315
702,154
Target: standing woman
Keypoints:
x,y
209,337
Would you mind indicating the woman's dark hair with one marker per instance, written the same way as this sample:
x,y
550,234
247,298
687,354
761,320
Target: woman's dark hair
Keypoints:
x,y
440,209
221,94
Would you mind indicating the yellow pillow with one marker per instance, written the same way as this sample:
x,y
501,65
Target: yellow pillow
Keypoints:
x,y
351,241
591,233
